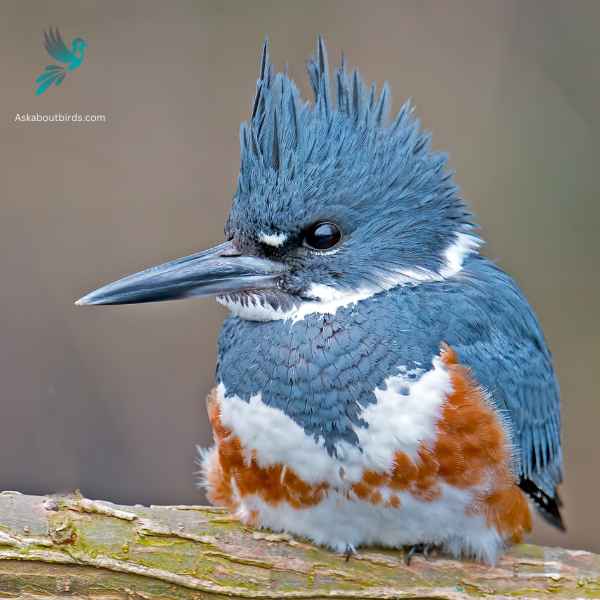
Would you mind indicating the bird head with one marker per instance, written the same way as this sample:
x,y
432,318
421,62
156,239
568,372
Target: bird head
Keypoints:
x,y
334,203
79,45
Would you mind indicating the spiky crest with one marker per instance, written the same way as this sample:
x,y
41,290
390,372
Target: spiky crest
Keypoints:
x,y
279,115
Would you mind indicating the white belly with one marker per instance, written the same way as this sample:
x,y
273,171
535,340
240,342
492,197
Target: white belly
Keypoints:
x,y
339,522
404,418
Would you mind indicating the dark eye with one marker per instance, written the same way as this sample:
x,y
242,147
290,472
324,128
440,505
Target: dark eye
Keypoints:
x,y
322,236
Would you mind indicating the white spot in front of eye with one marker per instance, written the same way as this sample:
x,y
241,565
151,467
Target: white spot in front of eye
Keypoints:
x,y
272,239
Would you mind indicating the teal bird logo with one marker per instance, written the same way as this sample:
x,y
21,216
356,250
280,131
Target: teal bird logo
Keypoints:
x,y
71,59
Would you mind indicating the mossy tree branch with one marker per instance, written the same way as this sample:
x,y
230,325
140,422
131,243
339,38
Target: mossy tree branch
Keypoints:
x,y
56,546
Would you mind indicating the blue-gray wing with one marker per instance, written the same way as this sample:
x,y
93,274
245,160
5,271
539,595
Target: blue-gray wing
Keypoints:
x,y
55,46
500,339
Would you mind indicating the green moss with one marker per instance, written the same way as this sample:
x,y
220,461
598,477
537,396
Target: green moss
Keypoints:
x,y
214,559
524,551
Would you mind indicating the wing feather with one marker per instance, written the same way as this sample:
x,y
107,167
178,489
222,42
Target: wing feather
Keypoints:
x,y
496,334
56,47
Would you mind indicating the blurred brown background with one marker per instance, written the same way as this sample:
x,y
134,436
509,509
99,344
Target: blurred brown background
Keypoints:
x,y
111,400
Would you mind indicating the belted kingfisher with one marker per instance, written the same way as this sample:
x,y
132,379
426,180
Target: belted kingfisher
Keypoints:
x,y
379,382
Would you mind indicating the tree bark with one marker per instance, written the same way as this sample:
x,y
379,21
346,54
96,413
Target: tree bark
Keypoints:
x,y
58,546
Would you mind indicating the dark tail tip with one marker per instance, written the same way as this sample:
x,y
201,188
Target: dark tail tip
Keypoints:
x,y
547,506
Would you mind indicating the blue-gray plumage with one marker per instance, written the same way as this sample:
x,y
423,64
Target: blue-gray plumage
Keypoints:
x,y
324,368
348,165
335,202
399,208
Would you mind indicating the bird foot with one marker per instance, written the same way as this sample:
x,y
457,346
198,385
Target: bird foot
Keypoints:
x,y
349,551
423,549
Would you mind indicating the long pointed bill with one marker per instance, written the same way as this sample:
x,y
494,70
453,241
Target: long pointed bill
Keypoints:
x,y
220,270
